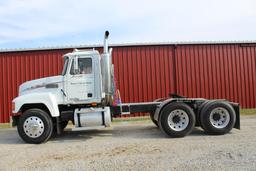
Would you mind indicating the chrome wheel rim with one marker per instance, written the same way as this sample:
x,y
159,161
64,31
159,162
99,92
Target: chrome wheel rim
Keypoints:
x,y
219,117
33,127
178,120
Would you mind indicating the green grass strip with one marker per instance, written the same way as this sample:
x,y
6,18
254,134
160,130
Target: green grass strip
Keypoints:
x,y
132,119
248,112
5,125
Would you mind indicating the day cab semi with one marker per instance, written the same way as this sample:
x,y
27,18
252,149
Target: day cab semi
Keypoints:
x,y
85,93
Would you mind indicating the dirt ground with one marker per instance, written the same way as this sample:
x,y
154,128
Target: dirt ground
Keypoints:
x,y
133,146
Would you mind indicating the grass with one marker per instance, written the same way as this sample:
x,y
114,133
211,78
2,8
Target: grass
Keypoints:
x,y
5,125
132,119
248,112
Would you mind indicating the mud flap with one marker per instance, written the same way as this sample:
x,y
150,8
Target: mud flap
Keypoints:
x,y
237,110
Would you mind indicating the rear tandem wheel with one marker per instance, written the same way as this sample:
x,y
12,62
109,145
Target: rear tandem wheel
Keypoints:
x,y
217,117
177,119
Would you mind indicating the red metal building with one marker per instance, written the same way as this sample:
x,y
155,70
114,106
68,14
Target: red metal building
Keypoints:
x,y
145,72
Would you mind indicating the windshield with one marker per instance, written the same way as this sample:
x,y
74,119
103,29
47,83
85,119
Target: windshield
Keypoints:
x,y
65,67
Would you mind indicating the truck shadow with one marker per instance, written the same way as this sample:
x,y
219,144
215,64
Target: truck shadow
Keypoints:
x,y
138,132
10,136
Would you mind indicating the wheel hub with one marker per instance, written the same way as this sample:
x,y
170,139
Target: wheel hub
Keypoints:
x,y
216,117
33,127
219,117
178,120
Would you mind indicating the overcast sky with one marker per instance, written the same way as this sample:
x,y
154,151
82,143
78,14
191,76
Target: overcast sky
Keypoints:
x,y
41,23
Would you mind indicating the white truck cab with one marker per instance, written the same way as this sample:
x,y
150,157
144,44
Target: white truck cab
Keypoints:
x,y
79,83
85,82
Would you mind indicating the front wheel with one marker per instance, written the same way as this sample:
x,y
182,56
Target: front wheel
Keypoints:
x,y
177,120
35,126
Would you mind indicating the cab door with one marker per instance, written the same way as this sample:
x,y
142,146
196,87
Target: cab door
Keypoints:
x,y
80,80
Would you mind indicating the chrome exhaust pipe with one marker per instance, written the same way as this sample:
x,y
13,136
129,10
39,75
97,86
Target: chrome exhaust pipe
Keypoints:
x,y
106,70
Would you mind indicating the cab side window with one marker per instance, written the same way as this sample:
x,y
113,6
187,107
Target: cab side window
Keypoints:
x,y
84,66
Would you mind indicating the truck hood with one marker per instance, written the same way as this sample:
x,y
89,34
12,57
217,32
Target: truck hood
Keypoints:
x,y
42,83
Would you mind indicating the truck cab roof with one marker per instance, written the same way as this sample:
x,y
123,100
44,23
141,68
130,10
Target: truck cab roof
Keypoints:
x,y
83,52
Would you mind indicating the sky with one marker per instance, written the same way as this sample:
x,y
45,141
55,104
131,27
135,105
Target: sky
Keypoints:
x,y
47,23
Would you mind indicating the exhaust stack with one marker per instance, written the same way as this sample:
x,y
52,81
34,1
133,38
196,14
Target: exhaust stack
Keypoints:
x,y
106,71
106,42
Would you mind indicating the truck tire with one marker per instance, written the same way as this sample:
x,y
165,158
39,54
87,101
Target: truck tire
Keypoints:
x,y
151,114
35,126
177,120
217,118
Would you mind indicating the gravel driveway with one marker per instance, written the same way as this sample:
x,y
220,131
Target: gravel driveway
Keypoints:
x,y
133,146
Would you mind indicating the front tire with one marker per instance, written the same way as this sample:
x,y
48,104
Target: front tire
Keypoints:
x,y
177,120
35,126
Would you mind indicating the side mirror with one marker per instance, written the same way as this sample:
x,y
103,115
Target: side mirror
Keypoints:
x,y
76,68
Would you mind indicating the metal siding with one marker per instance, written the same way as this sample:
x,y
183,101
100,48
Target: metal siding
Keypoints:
x,y
145,73
253,50
17,68
221,71
247,89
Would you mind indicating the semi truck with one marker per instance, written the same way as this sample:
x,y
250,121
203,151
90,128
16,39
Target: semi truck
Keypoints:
x,y
85,94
